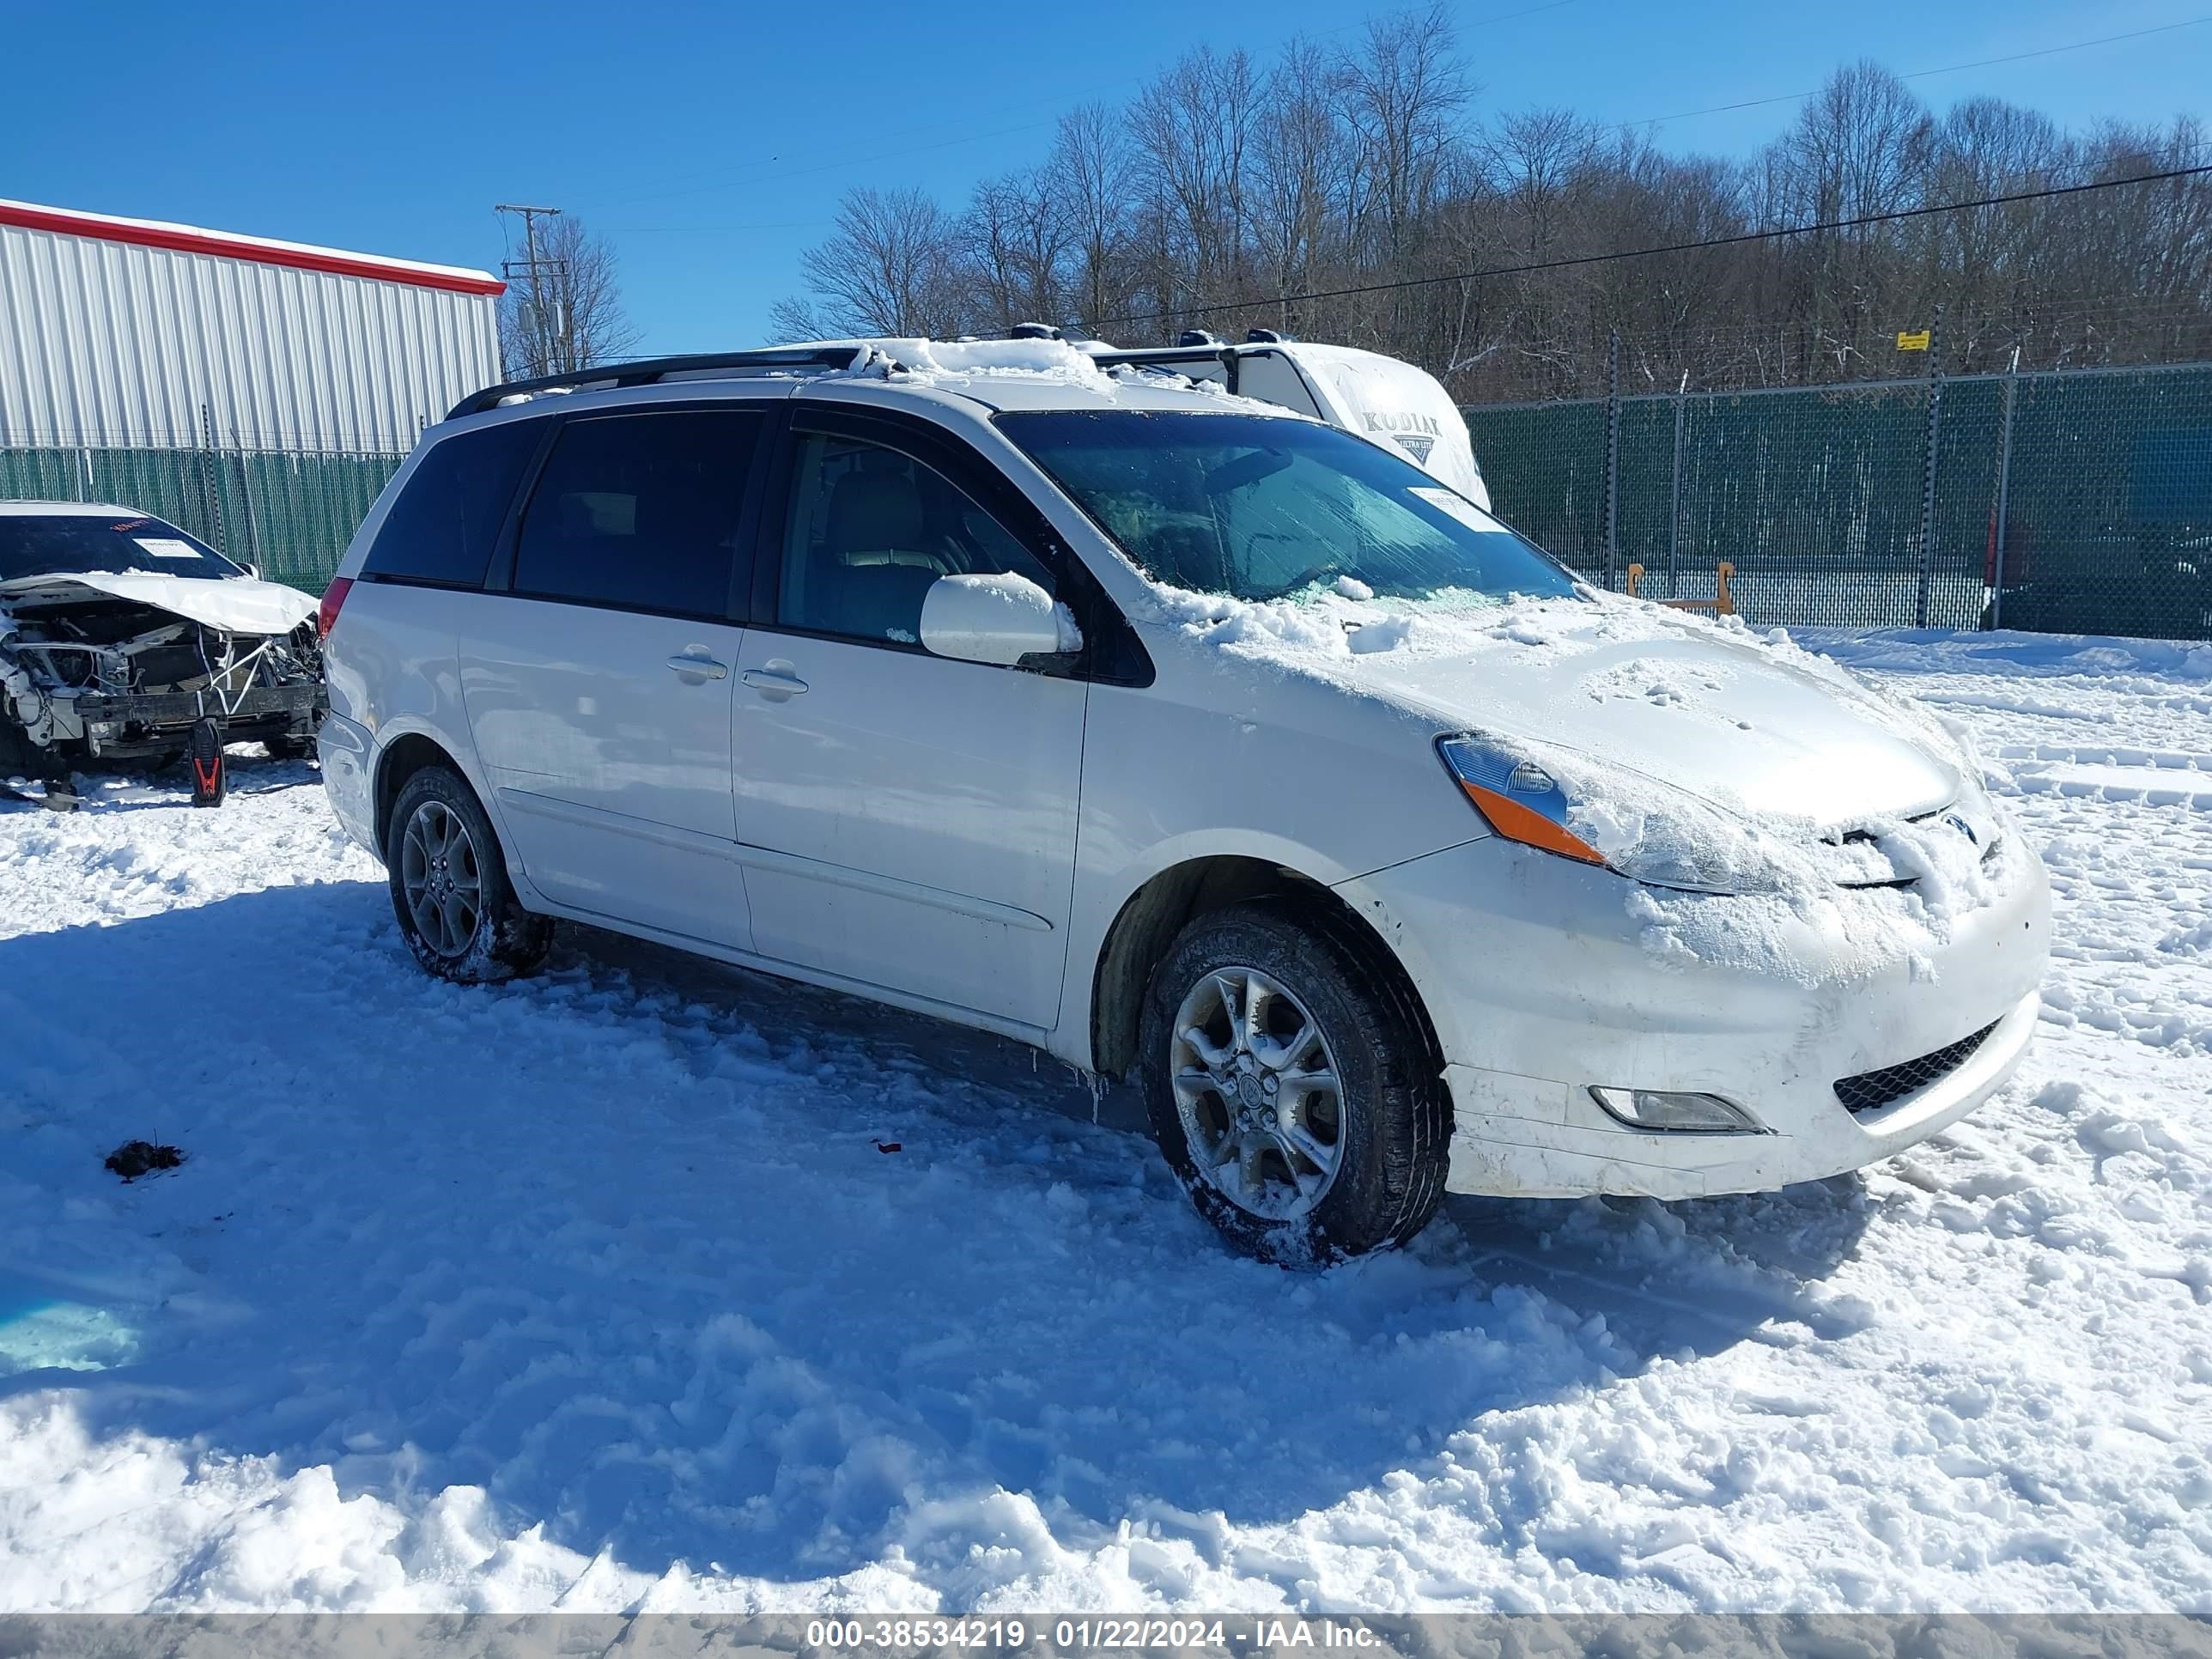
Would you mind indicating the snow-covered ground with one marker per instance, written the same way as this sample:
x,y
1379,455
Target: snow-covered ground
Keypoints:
x,y
607,1289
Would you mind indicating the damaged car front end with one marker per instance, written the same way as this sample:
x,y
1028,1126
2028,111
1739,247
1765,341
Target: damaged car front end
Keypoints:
x,y
121,636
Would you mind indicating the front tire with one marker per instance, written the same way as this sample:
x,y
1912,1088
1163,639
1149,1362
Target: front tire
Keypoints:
x,y
1289,1086
456,908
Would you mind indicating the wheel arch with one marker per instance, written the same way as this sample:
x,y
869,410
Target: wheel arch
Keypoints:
x,y
399,760
1146,924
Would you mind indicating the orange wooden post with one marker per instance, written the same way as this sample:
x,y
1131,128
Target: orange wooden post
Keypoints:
x,y
1722,603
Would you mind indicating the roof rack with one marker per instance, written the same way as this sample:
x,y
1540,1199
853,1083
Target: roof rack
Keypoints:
x,y
653,370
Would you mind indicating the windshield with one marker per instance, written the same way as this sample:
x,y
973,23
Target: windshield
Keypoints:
x,y
69,544
1260,507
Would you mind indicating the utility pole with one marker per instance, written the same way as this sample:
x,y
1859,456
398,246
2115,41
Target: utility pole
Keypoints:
x,y
543,334
1928,477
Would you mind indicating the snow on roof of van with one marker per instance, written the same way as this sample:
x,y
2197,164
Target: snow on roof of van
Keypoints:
x,y
1007,374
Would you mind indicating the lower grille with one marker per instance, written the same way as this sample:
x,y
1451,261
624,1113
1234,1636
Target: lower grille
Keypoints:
x,y
1870,1092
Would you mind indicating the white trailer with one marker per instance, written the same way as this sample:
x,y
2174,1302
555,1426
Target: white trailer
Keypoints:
x,y
1380,398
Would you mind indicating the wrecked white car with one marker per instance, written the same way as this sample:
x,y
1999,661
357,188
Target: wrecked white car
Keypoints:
x,y
123,638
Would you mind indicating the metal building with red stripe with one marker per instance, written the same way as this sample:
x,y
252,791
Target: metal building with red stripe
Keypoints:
x,y
132,332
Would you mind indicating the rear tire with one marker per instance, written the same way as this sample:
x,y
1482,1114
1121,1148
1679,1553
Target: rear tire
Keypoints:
x,y
1289,1086
450,891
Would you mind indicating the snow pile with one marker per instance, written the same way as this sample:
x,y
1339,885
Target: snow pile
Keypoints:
x,y
1791,902
2150,668
963,364
1319,631
593,1292
919,362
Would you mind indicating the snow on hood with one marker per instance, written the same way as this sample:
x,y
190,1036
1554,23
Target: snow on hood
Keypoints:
x,y
235,604
1754,726
1758,769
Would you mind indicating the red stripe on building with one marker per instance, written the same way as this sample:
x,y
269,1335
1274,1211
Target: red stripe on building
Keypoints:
x,y
178,239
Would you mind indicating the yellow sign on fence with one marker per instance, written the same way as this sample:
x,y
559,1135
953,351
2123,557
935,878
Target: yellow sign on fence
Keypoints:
x,y
1915,341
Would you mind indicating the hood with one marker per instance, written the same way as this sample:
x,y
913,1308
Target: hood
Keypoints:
x,y
1733,721
233,605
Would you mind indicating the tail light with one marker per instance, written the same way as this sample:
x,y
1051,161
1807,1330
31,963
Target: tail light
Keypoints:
x,y
334,595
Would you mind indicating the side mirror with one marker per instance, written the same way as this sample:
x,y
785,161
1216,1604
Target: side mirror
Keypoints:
x,y
253,570
996,619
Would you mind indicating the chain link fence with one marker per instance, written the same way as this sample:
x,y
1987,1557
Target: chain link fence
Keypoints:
x,y
2077,500
290,513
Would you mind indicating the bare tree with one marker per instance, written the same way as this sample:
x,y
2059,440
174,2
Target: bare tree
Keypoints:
x,y
1090,169
1194,128
1349,194
567,313
1302,168
1018,234
1862,145
887,269
1403,92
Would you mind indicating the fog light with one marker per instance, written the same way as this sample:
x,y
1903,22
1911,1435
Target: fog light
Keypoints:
x,y
1655,1110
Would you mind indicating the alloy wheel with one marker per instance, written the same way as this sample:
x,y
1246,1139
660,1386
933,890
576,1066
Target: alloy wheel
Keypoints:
x,y
1257,1089
440,878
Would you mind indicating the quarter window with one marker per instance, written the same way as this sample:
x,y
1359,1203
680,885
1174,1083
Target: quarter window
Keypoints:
x,y
450,512
869,530
639,512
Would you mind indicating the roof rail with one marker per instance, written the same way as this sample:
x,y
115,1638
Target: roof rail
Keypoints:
x,y
653,370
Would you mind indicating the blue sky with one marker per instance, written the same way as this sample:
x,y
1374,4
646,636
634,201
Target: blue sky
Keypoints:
x,y
711,141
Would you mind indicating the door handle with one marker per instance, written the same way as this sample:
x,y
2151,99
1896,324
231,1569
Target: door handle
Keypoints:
x,y
698,669
775,682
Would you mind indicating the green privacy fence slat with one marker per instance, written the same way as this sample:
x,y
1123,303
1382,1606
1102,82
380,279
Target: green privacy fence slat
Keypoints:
x,y
1818,496
290,514
2118,527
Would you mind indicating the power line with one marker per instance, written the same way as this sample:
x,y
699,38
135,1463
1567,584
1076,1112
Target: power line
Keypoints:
x,y
544,329
1890,217
968,137
1922,75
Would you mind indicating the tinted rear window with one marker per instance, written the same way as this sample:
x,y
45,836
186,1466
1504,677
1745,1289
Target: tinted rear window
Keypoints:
x,y
36,545
639,512
442,528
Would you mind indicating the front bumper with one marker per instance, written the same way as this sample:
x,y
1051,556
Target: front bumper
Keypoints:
x,y
1543,977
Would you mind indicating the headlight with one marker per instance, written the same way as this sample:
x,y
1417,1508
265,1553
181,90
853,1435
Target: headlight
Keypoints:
x,y
1567,804
1517,795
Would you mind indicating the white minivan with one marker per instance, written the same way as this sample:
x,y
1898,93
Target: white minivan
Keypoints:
x,y
1183,736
